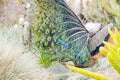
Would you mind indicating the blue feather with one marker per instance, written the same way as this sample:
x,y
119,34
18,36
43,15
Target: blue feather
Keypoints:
x,y
63,43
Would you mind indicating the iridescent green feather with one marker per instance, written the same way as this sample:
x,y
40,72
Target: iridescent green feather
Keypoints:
x,y
60,33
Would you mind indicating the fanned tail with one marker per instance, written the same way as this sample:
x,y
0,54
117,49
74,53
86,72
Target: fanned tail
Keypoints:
x,y
61,33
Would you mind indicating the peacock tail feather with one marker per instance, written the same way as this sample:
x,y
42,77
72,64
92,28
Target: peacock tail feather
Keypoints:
x,y
59,33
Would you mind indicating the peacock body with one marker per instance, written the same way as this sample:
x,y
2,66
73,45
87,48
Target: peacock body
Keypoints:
x,y
59,33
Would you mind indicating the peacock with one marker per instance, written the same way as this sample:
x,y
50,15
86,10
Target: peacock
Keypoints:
x,y
60,35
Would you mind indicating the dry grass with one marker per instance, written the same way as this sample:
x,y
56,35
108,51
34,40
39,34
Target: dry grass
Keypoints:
x,y
15,64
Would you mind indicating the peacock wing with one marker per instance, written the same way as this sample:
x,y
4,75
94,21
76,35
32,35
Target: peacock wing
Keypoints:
x,y
71,36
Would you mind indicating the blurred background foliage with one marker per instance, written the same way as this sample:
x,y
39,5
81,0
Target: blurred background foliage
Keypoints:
x,y
113,50
12,10
104,11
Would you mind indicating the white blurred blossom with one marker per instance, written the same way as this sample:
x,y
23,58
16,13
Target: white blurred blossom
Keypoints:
x,y
16,26
21,21
26,24
28,5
